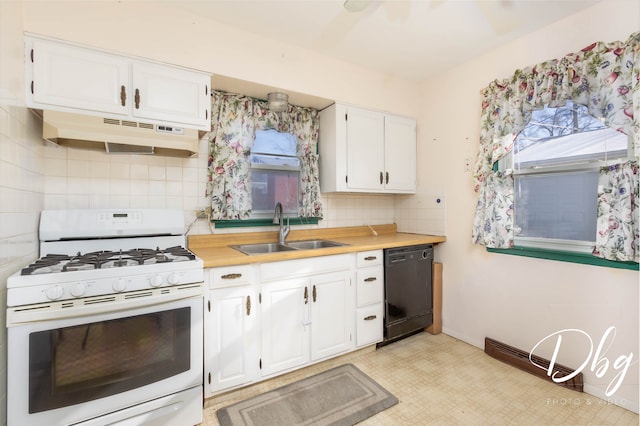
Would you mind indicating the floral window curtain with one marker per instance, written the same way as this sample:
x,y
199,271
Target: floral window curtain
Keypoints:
x,y
618,235
605,77
234,120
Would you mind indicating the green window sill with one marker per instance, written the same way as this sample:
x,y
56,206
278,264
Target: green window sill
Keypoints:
x,y
222,224
565,256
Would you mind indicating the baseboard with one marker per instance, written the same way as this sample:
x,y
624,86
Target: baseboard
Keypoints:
x,y
523,361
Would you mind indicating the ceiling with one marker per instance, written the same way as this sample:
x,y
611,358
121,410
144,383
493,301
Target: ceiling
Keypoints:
x,y
408,39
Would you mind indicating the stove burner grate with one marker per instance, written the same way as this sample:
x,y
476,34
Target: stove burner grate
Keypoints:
x,y
107,259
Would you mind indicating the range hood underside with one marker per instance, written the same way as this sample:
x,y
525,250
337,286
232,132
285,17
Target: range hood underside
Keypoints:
x,y
118,136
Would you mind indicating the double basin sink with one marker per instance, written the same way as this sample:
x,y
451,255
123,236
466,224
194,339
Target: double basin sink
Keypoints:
x,y
263,248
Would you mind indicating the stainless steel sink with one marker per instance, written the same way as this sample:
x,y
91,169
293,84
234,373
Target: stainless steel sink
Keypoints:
x,y
313,244
264,248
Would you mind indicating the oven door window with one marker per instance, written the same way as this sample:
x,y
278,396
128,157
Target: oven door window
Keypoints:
x,y
81,363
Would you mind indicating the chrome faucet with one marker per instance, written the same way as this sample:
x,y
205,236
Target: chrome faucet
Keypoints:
x,y
278,218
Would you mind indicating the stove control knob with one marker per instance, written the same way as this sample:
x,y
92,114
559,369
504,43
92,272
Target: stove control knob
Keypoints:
x,y
55,292
174,278
78,289
119,285
155,281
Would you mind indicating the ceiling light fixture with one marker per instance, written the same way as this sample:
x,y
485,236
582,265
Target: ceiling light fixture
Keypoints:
x,y
278,101
356,5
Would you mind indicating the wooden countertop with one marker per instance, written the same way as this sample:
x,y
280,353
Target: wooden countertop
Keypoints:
x,y
214,249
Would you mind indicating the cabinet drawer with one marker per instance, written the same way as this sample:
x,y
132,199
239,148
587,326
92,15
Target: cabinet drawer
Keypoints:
x,y
369,325
288,269
370,287
231,276
369,258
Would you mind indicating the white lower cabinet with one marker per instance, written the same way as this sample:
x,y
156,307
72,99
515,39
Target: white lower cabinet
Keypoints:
x,y
308,317
331,309
232,338
285,325
270,318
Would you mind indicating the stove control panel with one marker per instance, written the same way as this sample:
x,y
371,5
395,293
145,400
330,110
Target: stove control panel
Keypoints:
x,y
77,284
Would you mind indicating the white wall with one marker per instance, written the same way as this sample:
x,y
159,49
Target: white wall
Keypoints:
x,y
513,299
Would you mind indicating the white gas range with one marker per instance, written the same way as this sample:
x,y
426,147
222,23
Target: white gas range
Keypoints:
x,y
106,326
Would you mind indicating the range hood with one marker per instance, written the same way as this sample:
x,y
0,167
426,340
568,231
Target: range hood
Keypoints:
x,y
116,136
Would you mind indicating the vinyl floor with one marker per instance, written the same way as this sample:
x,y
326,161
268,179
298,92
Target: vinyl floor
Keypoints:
x,y
440,380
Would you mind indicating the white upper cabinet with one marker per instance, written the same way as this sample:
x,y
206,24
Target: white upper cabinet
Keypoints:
x,y
165,94
366,151
400,154
67,77
77,78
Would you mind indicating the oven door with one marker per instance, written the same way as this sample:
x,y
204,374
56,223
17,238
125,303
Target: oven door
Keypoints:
x,y
70,370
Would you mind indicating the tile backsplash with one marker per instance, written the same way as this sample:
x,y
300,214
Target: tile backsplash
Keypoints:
x,y
87,179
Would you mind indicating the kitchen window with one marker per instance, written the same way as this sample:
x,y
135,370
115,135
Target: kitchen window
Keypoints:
x,y
555,163
275,174
522,197
248,172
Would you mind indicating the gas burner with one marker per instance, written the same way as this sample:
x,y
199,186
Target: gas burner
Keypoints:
x,y
45,265
106,259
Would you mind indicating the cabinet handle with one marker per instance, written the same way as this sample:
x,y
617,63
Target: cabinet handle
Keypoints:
x,y
31,55
32,87
381,179
231,276
315,294
370,279
370,317
387,177
123,95
248,305
137,99
306,295
370,258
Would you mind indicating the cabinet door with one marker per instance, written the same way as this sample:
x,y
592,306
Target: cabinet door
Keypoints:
x,y
285,319
73,77
331,314
365,150
400,154
170,94
231,330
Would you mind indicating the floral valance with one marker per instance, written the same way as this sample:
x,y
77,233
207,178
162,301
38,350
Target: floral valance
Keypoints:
x,y
605,77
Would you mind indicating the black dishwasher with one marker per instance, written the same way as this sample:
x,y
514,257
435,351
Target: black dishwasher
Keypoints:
x,y
407,291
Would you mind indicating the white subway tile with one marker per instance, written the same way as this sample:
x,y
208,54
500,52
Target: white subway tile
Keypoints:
x,y
78,154
139,171
174,174
139,187
157,172
55,185
119,187
120,170
100,169
78,201
55,167
78,186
